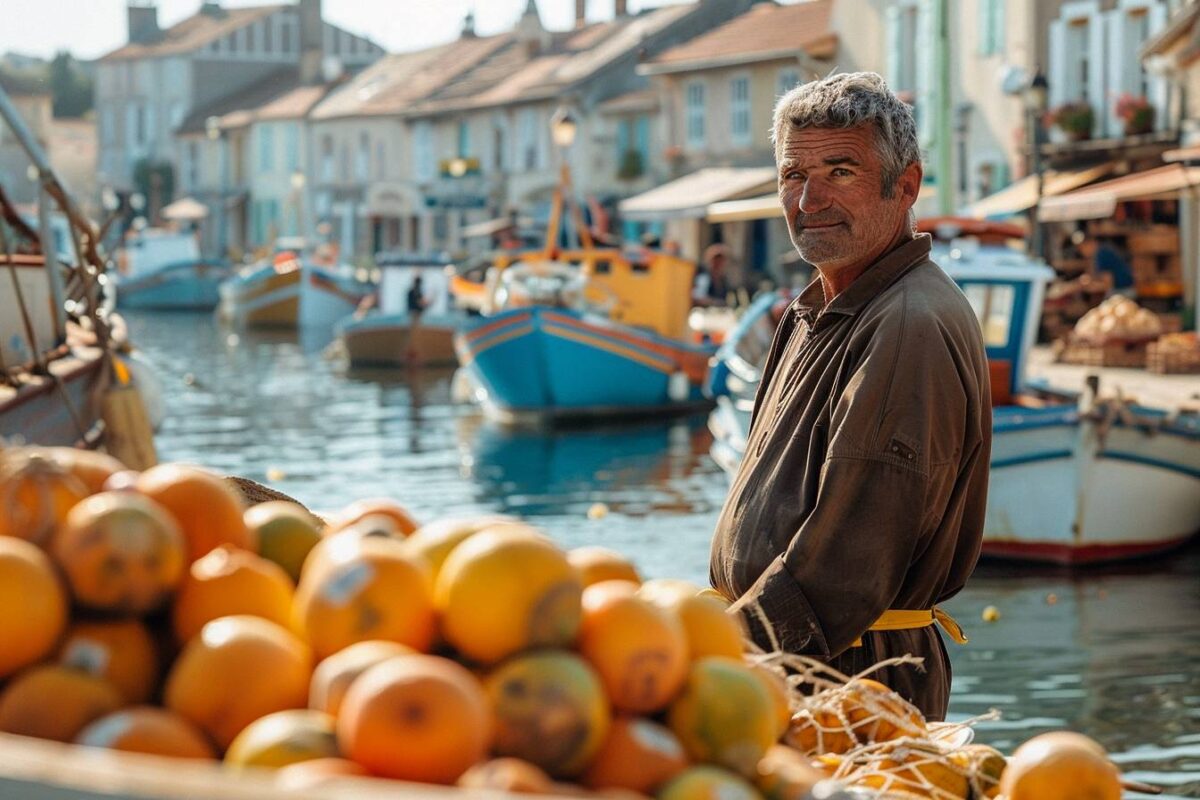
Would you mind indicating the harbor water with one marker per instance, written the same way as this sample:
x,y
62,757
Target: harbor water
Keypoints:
x,y
1113,653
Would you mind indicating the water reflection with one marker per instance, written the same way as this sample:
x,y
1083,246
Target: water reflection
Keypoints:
x,y
1114,656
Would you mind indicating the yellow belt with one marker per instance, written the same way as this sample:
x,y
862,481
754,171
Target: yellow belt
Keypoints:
x,y
898,619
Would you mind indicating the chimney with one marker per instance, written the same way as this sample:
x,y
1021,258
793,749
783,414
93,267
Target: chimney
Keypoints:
x,y
621,8
212,8
530,33
312,38
580,13
468,28
143,22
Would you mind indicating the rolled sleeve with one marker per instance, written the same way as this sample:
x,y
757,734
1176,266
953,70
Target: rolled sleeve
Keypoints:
x,y
778,616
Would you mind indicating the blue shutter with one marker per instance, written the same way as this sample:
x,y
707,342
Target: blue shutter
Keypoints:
x,y
1097,94
1158,86
642,137
623,137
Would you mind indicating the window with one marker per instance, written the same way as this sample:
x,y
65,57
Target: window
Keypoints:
x,y
695,114
423,166
499,145
291,145
527,130
231,43
362,163
266,148
1078,58
787,80
991,27
739,111
464,139
905,55
993,305
254,37
1137,31
268,39
107,127
149,124
380,163
327,158
285,35
177,114
193,164
344,163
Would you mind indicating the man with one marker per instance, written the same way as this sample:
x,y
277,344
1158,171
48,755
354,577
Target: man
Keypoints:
x,y
415,299
711,286
859,503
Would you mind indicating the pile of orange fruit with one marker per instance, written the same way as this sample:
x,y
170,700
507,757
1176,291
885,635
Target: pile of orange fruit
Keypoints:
x,y
152,612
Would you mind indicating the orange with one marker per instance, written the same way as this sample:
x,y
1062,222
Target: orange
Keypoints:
x,y
333,676
318,771
55,702
784,774
780,693
724,715
986,767
435,540
120,552
208,509
282,738
637,754
285,533
33,605
360,509
919,768
119,651
91,467
507,775
236,670
877,714
1060,766
639,650
820,731
36,494
146,729
708,783
549,709
502,591
710,631
418,718
229,581
365,588
597,564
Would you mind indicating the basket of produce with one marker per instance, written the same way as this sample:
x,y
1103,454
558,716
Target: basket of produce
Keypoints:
x,y
1114,334
174,642
1174,354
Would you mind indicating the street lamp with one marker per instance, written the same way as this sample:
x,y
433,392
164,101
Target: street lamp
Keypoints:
x,y
1036,97
562,128
298,181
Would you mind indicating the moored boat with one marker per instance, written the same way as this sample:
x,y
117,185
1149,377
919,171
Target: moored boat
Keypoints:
x,y
158,269
588,334
383,332
290,291
1076,477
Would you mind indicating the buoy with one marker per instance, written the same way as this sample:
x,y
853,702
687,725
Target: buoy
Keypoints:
x,y
597,511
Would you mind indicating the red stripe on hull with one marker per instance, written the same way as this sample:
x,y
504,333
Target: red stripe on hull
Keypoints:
x,y
1054,553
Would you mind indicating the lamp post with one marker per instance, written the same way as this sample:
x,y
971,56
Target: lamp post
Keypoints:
x,y
1035,97
563,129
212,129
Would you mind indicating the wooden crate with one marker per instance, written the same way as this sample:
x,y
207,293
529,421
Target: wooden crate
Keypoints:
x,y
1156,268
1158,240
1172,360
1109,354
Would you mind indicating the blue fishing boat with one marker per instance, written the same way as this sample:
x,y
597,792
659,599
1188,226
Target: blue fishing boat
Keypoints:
x,y
587,334
1075,477
291,290
158,269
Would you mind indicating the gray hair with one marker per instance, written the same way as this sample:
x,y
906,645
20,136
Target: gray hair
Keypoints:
x,y
850,100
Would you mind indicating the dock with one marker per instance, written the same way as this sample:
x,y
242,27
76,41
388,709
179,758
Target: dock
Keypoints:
x,y
1168,392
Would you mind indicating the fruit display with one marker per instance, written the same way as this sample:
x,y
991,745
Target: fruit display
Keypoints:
x,y
1118,319
158,616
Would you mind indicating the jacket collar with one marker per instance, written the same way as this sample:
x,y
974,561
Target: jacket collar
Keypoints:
x,y
879,276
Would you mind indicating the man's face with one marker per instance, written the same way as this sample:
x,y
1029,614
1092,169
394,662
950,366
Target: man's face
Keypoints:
x,y
831,188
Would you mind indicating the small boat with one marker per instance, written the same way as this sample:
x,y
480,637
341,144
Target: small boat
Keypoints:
x,y
382,332
160,269
1076,478
65,371
583,334
290,291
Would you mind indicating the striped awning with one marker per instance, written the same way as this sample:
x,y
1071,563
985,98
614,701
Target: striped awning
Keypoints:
x,y
1022,195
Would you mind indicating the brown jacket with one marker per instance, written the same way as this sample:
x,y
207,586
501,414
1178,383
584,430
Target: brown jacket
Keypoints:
x,y
865,476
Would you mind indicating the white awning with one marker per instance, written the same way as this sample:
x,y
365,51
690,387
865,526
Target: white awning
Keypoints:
x,y
691,195
1022,195
185,209
767,207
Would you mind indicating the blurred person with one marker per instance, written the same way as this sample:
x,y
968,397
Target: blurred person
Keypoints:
x,y
859,504
1104,258
711,285
416,298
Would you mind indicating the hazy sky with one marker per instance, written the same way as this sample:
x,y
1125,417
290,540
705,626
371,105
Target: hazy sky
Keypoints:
x,y
91,28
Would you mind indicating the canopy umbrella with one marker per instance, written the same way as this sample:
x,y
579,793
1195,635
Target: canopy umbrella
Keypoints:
x,y
185,209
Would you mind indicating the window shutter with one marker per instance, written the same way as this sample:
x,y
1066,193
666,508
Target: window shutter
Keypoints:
x,y
1159,87
1058,63
1097,94
894,46
926,46
1116,70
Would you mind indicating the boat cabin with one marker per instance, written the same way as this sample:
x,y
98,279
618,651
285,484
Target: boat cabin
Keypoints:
x,y
151,249
398,271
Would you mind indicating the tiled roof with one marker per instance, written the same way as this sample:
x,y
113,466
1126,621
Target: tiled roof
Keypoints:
x,y
394,83
238,109
194,32
765,31
641,100
293,104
